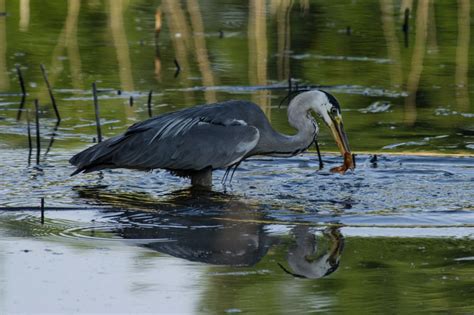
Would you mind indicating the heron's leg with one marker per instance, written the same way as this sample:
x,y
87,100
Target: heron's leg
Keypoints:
x,y
321,164
226,174
233,171
202,178
232,168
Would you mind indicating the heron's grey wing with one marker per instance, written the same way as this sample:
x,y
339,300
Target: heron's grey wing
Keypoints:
x,y
203,145
181,146
187,139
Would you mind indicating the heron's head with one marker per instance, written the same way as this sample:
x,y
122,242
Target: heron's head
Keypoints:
x,y
328,108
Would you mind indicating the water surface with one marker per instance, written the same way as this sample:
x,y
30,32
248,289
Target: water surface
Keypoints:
x,y
283,237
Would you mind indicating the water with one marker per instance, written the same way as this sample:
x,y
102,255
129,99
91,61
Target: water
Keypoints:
x,y
283,237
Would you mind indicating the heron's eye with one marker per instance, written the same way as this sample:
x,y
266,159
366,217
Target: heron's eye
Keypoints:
x,y
334,111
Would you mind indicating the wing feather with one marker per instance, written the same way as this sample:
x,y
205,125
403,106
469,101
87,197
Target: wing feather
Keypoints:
x,y
204,136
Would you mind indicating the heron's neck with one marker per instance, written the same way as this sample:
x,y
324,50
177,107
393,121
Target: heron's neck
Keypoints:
x,y
299,118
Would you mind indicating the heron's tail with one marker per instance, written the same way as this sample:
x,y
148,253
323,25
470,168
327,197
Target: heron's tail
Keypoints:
x,y
94,158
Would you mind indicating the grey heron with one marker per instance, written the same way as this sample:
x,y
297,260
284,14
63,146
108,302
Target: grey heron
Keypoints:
x,y
195,141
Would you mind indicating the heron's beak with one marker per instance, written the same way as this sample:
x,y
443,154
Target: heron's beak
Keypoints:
x,y
337,129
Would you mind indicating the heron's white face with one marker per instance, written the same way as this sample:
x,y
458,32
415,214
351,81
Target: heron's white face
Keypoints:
x,y
328,108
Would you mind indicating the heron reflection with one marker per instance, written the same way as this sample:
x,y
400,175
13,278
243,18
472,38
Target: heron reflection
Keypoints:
x,y
220,229
308,258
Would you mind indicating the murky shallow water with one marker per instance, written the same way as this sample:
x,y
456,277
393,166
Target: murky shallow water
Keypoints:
x,y
115,260
393,189
283,238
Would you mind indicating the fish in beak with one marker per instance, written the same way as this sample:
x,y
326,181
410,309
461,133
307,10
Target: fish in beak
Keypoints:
x,y
337,129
